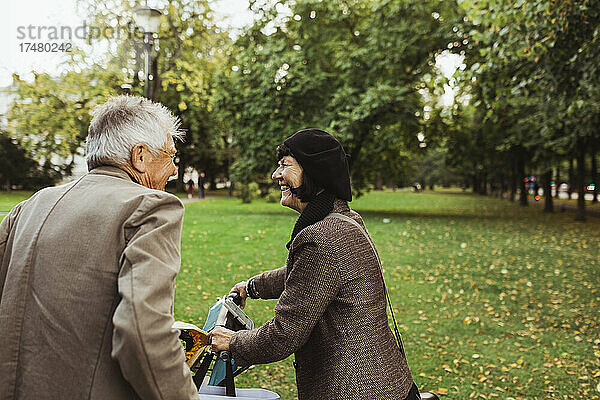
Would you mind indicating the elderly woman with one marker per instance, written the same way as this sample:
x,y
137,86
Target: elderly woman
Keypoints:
x,y
332,299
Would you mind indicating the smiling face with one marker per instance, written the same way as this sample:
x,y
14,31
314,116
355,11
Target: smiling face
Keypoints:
x,y
289,174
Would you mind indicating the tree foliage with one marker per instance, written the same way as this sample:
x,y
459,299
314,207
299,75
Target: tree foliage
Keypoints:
x,y
532,83
17,169
350,67
50,116
189,51
527,98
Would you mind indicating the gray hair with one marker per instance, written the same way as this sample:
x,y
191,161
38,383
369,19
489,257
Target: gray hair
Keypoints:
x,y
124,121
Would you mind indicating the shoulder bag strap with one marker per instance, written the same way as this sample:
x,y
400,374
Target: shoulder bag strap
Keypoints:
x,y
387,296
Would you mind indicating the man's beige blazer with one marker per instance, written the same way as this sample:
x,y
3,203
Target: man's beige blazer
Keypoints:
x,y
87,274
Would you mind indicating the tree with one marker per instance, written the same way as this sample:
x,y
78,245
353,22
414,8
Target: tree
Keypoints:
x,y
50,116
191,51
350,67
18,169
530,64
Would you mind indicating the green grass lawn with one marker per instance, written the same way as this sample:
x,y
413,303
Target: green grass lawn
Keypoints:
x,y
9,199
493,300
573,203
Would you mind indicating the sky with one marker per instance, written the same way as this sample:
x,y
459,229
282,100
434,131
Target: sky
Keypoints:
x,y
64,13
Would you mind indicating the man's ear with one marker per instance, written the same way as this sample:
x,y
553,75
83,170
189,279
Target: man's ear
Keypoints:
x,y
139,154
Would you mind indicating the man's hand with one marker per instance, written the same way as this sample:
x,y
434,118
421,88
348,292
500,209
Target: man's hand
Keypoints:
x,y
241,289
220,338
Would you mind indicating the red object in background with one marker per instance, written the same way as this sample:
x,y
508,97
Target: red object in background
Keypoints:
x,y
533,179
525,180
537,197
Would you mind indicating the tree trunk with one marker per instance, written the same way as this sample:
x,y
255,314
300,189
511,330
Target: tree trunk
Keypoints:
x,y
580,181
571,178
212,182
379,182
180,184
521,175
484,186
513,182
594,175
548,206
557,181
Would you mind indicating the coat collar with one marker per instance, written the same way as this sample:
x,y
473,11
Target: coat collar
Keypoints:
x,y
340,206
111,171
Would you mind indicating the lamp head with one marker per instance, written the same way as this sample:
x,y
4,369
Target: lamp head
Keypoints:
x,y
147,18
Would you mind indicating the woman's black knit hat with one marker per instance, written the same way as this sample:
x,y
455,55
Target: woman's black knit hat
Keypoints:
x,y
323,158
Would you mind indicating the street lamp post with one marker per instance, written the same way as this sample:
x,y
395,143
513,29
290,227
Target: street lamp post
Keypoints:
x,y
148,19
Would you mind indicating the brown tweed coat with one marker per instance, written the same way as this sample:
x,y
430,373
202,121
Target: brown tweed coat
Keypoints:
x,y
332,314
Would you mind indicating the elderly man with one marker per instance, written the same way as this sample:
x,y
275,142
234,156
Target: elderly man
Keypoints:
x,y
87,271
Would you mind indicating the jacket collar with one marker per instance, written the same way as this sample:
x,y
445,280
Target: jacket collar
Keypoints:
x,y
111,171
340,206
